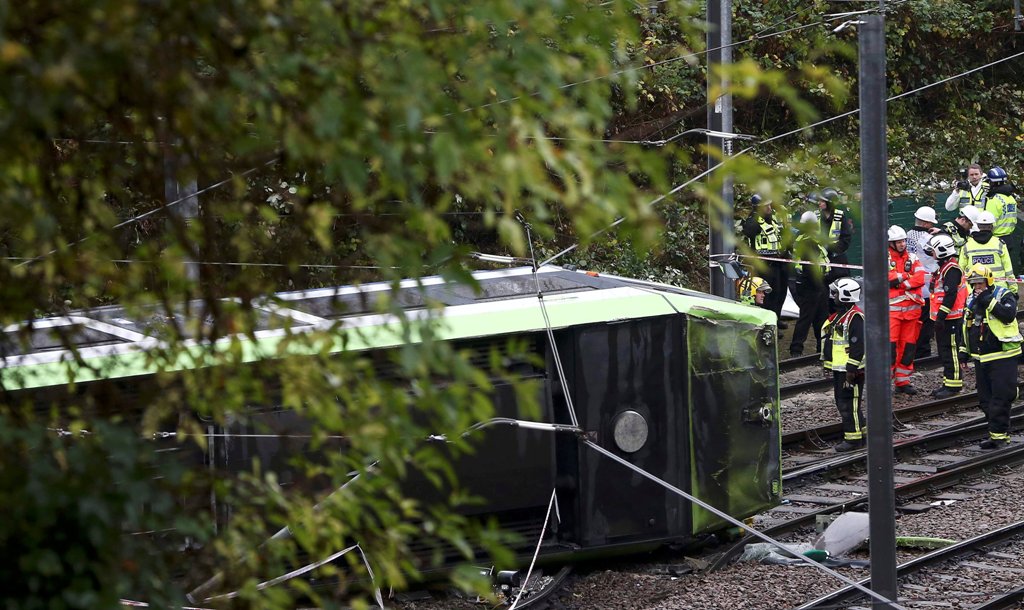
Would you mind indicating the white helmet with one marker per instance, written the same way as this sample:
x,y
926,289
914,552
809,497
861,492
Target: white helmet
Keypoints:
x,y
940,246
896,233
985,218
971,212
927,214
846,290
808,217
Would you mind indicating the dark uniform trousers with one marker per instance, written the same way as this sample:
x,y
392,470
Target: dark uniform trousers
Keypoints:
x,y
812,299
777,276
997,388
948,337
850,402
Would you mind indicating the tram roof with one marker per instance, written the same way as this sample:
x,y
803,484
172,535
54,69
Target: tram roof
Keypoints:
x,y
108,342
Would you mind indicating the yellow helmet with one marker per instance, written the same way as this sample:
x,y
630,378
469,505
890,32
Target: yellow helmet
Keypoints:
x,y
979,272
750,286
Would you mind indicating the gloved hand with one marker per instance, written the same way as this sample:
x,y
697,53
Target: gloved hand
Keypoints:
x,y
963,185
894,283
851,377
940,317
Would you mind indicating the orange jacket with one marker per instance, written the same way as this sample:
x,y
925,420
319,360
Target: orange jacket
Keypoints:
x,y
906,281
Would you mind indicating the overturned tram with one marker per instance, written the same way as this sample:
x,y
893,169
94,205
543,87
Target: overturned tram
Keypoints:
x,y
677,384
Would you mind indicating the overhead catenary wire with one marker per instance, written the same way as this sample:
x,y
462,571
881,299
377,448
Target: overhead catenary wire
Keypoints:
x,y
711,169
162,208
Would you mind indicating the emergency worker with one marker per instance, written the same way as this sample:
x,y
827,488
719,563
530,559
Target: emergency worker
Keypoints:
x,y
809,289
906,281
766,233
826,332
994,339
948,298
753,290
837,228
1003,205
917,240
961,227
846,353
970,189
983,248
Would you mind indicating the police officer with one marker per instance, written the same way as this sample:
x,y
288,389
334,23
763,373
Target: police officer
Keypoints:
x,y
948,297
983,248
809,288
970,191
994,339
753,290
837,228
906,280
765,233
846,354
1003,205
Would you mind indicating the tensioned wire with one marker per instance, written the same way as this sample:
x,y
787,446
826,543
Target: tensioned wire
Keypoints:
x,y
690,181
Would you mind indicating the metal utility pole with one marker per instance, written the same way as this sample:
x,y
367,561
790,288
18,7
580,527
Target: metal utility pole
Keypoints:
x,y
174,190
878,385
721,239
1017,17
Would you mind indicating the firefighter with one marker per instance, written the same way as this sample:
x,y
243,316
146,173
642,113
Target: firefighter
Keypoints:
x,y
994,340
948,297
765,233
753,290
970,189
826,333
961,227
906,281
983,248
846,353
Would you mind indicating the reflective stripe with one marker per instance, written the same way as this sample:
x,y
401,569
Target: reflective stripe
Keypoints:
x,y
769,239
907,308
1004,208
1009,353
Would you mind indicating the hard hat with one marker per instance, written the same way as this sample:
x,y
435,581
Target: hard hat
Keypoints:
x,y
755,200
980,273
897,233
814,197
830,194
985,218
846,290
970,212
996,175
940,246
808,217
750,286
927,214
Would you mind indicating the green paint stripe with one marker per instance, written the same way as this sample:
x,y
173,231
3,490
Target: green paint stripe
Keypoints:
x,y
562,311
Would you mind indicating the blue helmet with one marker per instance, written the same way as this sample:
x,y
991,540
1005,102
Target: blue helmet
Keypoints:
x,y
997,175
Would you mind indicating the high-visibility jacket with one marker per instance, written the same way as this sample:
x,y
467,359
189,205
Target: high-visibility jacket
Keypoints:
x,y
835,227
906,299
993,254
769,237
1004,208
847,352
939,292
993,332
956,232
826,341
810,248
970,197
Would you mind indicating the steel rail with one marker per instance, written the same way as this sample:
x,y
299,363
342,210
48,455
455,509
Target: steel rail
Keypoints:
x,y
965,548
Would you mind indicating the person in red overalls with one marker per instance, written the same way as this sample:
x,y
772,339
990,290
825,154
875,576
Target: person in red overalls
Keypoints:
x,y
906,298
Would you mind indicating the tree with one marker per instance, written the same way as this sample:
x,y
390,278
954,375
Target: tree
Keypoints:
x,y
305,124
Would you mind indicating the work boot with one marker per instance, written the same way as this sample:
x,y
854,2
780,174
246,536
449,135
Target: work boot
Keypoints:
x,y
906,389
794,353
845,446
945,392
783,325
992,443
